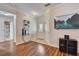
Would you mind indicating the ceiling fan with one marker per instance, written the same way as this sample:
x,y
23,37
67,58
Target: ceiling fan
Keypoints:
x,y
48,4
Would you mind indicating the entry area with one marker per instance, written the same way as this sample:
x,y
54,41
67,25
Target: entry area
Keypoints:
x,y
7,33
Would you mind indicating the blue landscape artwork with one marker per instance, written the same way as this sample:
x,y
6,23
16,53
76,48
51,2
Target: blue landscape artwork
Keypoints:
x,y
70,21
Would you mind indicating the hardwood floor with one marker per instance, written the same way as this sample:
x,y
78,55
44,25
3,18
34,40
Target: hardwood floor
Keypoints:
x,y
7,48
37,49
29,49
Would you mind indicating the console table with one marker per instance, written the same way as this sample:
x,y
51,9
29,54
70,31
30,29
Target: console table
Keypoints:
x,y
68,46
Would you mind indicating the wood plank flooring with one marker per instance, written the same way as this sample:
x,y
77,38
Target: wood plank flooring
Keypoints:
x,y
37,49
7,48
29,49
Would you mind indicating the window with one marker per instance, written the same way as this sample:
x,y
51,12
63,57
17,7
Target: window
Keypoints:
x,y
40,27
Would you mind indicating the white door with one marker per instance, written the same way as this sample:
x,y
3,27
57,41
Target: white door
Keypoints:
x,y
6,28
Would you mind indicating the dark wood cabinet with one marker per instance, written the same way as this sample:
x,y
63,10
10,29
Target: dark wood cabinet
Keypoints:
x,y
68,46
72,47
63,45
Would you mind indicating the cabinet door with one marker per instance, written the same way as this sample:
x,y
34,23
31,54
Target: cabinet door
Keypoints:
x,y
63,45
72,47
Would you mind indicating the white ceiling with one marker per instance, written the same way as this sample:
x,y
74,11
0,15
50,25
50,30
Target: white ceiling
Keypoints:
x,y
36,9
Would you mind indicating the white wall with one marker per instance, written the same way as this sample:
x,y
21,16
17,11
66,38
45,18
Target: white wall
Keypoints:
x,y
62,9
1,30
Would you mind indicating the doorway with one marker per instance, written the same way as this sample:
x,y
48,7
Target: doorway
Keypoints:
x,y
7,33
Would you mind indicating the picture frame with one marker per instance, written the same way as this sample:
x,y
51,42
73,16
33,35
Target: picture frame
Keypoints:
x,y
70,21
